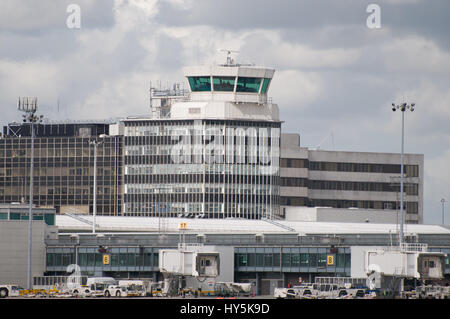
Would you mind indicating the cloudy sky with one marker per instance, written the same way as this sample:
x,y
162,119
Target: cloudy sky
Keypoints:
x,y
334,83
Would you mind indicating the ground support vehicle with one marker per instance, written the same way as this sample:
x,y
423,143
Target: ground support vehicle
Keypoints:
x,y
432,292
116,291
133,288
95,287
10,291
280,293
155,289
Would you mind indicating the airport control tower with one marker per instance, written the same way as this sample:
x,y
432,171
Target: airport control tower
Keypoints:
x,y
211,153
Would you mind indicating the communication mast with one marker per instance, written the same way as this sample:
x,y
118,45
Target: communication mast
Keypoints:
x,y
230,61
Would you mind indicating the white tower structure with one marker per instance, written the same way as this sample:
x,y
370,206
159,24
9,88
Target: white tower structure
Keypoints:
x,y
228,91
213,153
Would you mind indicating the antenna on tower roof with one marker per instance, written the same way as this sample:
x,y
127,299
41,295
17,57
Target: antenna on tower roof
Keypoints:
x,y
230,61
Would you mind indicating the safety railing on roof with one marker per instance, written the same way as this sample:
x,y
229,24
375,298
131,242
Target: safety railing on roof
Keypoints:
x,y
271,221
81,219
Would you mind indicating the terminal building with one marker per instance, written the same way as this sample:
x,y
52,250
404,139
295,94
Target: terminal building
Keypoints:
x,y
264,252
213,157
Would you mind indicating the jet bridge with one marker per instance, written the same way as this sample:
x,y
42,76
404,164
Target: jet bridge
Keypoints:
x,y
190,260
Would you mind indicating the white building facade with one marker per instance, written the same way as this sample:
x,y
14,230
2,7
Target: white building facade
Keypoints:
x,y
215,154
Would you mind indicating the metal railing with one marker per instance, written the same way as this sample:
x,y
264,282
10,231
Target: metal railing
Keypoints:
x,y
414,247
81,219
340,281
271,221
189,246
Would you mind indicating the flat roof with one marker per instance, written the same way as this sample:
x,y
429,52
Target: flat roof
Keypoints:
x,y
235,225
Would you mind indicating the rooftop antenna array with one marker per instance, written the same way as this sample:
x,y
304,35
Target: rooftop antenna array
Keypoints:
x,y
27,105
230,61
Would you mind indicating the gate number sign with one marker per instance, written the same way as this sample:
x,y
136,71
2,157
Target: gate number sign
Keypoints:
x,y
330,260
106,259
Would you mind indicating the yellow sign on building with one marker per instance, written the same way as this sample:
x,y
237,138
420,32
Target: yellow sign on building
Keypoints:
x,y
182,226
105,259
330,260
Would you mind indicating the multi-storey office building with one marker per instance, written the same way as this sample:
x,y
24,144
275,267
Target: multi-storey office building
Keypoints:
x,y
63,167
350,179
166,177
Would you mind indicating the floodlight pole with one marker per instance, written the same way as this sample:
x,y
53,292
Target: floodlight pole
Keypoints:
x,y
94,207
30,108
401,179
443,204
30,213
403,107
95,142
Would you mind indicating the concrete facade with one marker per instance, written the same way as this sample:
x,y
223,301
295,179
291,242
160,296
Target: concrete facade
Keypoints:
x,y
344,215
350,179
14,250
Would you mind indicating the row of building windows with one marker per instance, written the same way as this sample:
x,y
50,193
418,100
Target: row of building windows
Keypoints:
x,y
48,218
59,162
249,210
40,151
241,260
308,260
90,257
202,197
80,193
64,181
228,84
199,169
410,189
409,170
294,163
200,178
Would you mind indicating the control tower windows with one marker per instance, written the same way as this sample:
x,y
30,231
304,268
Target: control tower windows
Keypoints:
x,y
250,85
265,85
224,83
200,83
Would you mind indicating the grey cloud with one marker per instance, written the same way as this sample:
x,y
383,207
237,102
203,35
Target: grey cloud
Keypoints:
x,y
37,17
426,18
52,45
170,54
237,14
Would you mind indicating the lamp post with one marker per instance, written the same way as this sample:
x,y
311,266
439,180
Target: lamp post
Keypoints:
x,y
29,107
403,108
95,143
443,204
